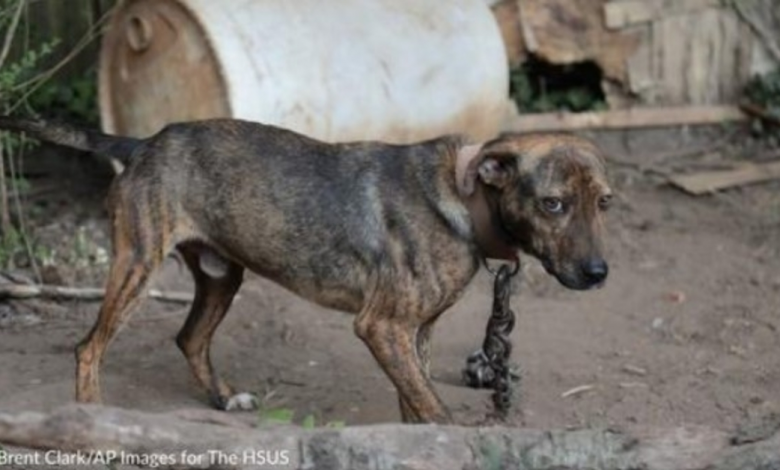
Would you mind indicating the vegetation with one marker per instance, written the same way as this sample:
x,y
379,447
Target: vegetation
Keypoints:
x,y
287,416
72,99
763,93
539,87
16,78
26,86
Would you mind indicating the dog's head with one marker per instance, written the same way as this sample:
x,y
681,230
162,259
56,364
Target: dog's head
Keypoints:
x,y
547,194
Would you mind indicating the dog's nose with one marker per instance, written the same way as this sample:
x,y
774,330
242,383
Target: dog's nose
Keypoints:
x,y
595,270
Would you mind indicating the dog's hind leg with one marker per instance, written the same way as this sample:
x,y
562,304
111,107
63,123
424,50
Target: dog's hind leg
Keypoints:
x,y
138,249
216,282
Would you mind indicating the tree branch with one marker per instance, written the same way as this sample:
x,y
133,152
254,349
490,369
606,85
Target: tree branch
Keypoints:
x,y
9,35
28,291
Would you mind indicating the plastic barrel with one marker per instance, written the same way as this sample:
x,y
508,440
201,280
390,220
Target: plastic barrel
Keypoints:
x,y
337,70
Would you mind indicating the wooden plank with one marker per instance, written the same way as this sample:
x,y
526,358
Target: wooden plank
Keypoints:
x,y
559,32
527,32
705,81
625,118
507,16
711,181
627,12
698,59
671,45
641,81
760,29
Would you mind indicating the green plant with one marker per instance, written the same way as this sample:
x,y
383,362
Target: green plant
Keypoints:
x,y
81,247
71,99
25,83
45,255
277,416
16,78
287,416
539,87
763,92
11,245
309,422
336,424
17,249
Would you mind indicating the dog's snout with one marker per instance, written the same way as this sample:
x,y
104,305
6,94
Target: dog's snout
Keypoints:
x,y
595,270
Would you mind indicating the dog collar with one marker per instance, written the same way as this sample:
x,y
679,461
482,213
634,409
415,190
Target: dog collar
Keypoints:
x,y
487,234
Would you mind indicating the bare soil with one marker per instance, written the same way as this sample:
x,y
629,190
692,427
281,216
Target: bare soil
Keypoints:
x,y
685,331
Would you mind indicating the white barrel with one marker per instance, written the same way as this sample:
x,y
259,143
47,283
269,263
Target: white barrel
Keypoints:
x,y
338,70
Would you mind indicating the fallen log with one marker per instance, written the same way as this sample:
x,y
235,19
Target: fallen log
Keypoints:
x,y
200,442
29,291
630,12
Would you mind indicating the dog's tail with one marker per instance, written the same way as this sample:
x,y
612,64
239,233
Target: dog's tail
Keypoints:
x,y
120,148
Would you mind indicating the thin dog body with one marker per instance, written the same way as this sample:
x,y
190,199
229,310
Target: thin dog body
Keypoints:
x,y
392,233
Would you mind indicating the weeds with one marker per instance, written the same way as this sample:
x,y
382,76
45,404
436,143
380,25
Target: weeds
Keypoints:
x,y
287,416
763,91
71,100
539,87
25,84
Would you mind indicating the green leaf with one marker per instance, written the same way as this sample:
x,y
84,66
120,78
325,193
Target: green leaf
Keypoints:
x,y
20,184
277,416
309,422
336,424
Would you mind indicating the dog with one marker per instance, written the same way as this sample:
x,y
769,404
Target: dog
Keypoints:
x,y
391,233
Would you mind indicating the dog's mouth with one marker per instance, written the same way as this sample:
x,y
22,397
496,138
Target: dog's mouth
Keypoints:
x,y
579,285
570,281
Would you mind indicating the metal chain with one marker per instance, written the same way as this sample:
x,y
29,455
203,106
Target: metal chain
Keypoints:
x,y
489,367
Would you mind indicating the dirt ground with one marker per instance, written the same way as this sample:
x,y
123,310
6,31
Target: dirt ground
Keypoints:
x,y
685,331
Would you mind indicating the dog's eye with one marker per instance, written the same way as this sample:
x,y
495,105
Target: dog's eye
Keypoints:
x,y
605,201
552,205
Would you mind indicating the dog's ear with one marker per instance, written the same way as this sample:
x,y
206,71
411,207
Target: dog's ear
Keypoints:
x,y
496,168
493,168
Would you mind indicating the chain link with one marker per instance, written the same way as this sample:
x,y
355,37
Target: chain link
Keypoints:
x,y
489,367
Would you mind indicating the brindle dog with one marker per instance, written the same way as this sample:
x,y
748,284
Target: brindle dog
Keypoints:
x,y
392,233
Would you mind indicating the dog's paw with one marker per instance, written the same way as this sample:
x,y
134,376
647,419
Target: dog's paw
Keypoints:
x,y
242,402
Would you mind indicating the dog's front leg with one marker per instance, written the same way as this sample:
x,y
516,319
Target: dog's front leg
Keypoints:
x,y
393,339
424,354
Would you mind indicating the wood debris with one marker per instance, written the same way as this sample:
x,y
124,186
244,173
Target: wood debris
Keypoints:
x,y
706,182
